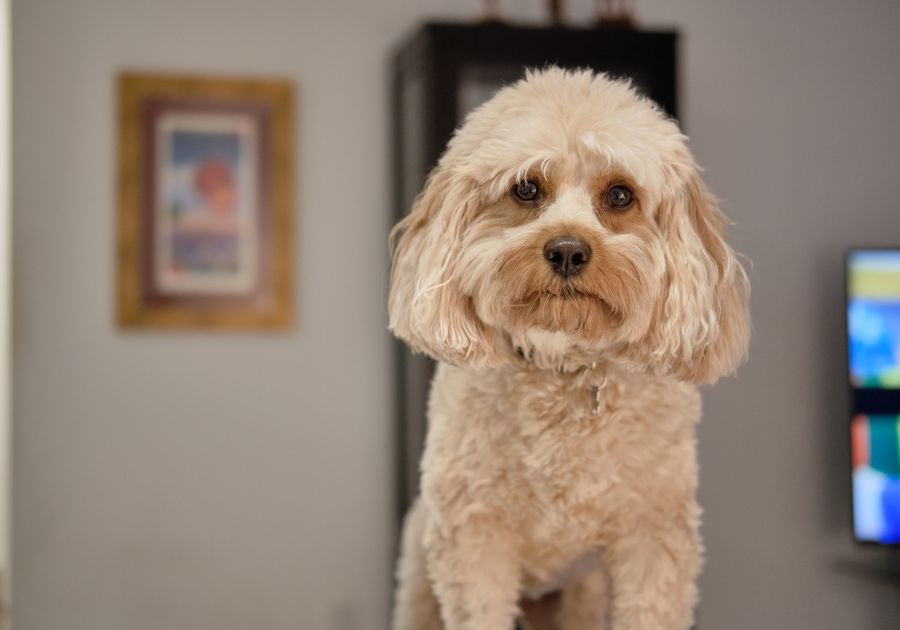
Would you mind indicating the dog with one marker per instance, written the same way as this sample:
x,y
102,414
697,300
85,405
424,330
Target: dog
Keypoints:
x,y
567,267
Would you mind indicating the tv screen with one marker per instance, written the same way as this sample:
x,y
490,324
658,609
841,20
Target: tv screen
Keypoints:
x,y
873,331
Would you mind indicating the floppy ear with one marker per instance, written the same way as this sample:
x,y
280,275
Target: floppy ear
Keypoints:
x,y
703,328
426,306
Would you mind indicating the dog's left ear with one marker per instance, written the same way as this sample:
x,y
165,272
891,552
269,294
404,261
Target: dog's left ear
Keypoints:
x,y
703,323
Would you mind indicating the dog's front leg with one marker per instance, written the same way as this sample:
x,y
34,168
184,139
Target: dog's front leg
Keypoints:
x,y
654,575
475,571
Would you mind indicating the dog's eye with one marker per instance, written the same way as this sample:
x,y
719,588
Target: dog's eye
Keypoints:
x,y
526,190
619,197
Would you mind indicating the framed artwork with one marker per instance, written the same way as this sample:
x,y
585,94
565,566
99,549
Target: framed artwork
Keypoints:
x,y
204,202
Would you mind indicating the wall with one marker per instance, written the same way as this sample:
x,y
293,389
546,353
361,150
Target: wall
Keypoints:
x,y
234,481
201,480
792,108
5,309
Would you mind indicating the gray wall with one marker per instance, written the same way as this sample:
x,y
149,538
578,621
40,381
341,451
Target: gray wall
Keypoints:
x,y
793,109
201,480
243,481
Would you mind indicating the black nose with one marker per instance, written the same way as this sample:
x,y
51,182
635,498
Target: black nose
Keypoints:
x,y
567,255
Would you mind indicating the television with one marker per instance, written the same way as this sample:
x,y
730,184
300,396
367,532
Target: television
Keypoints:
x,y
873,333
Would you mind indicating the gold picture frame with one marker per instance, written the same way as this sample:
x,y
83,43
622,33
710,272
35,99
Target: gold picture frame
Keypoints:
x,y
204,202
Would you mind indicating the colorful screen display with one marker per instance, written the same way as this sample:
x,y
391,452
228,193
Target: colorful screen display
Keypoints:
x,y
873,326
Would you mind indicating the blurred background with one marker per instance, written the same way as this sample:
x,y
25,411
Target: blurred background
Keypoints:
x,y
207,479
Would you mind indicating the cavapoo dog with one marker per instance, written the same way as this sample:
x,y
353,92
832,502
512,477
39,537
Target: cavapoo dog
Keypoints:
x,y
566,266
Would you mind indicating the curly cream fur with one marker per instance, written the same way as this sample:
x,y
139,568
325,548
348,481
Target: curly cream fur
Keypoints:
x,y
530,493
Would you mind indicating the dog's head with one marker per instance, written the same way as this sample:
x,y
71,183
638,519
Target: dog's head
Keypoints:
x,y
570,208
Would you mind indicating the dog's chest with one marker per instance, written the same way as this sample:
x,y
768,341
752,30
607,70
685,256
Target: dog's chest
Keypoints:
x,y
582,466
531,445
572,490
571,460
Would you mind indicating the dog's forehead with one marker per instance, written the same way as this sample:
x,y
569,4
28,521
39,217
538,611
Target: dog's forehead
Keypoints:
x,y
578,138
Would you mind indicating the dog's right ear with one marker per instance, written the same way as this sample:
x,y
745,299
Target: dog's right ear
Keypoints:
x,y
426,306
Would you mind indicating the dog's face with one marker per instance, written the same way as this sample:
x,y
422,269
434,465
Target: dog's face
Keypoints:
x,y
568,213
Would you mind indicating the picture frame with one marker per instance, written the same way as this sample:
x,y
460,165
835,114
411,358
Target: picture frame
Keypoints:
x,y
204,202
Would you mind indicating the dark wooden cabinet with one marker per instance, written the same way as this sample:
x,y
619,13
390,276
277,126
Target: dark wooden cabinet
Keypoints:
x,y
442,72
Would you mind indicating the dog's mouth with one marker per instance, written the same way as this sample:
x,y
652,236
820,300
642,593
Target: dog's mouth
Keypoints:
x,y
566,307
566,293
524,295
